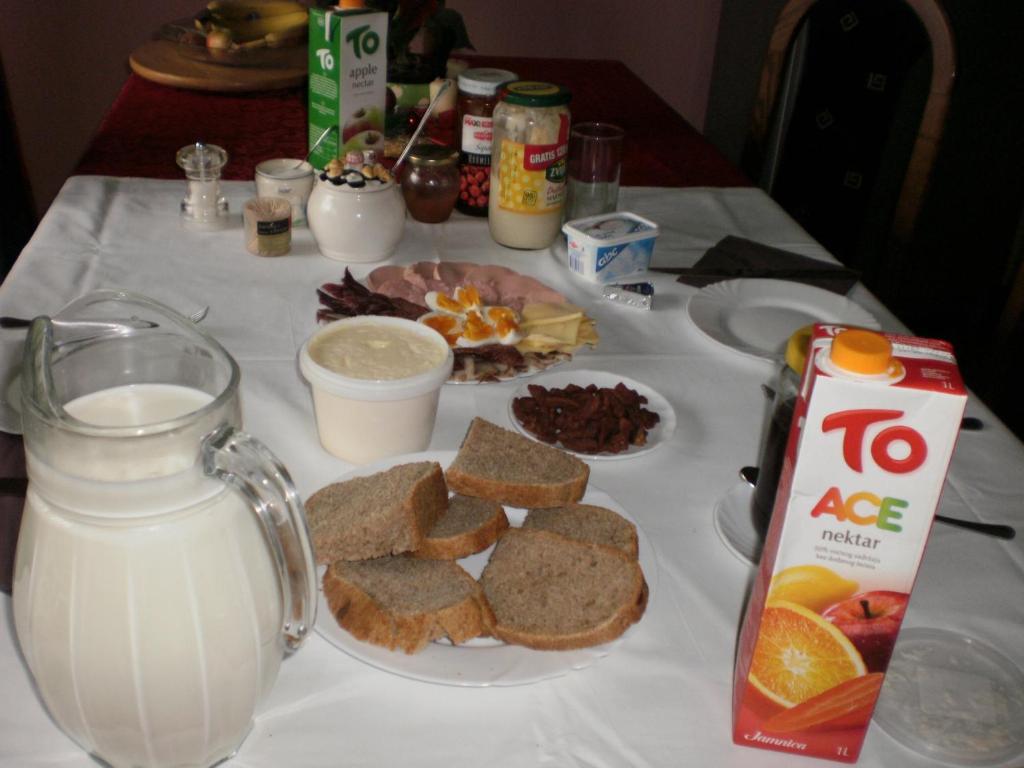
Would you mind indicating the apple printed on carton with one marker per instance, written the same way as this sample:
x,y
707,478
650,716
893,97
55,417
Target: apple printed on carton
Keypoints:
x,y
872,621
364,140
362,120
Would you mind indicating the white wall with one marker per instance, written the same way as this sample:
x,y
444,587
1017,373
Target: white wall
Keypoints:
x,y
65,60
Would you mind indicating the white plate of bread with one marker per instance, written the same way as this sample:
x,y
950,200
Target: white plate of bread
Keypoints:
x,y
412,570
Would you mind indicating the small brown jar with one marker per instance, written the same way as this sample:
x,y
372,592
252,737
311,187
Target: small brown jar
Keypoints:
x,y
430,182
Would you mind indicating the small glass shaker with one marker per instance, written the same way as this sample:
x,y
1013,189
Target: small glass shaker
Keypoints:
x,y
204,207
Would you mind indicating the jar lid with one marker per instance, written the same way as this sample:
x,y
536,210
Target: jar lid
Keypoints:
x,y
484,81
860,351
530,93
201,160
432,154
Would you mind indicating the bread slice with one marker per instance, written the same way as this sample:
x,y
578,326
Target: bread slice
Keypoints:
x,y
494,463
470,525
552,593
403,602
381,514
589,523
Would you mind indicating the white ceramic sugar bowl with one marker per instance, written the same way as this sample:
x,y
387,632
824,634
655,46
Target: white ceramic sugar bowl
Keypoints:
x,y
356,224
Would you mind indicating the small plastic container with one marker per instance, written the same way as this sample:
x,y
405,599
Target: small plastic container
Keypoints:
x,y
382,404
289,178
268,226
606,248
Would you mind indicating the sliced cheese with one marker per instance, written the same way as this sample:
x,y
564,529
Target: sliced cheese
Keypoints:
x,y
549,327
558,321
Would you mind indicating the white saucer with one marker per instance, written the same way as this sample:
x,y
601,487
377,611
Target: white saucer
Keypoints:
x,y
734,524
756,317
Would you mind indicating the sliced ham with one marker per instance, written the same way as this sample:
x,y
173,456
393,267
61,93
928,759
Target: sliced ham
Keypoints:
x,y
497,285
382,275
400,288
453,273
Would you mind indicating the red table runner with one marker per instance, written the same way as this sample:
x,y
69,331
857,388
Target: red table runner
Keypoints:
x,y
148,123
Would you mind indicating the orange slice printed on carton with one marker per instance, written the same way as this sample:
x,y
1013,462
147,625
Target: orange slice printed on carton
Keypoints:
x,y
800,655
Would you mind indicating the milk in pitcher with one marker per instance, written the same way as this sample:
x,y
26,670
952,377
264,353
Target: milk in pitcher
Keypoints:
x,y
125,559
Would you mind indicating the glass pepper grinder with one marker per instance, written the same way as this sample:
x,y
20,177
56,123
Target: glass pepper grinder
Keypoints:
x,y
773,446
204,207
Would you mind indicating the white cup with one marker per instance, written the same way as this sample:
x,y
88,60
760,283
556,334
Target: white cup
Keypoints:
x,y
362,420
289,178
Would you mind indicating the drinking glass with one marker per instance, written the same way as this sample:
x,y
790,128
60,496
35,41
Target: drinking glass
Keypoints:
x,y
595,158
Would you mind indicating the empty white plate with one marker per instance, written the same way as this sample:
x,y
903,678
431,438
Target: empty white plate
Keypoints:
x,y
756,317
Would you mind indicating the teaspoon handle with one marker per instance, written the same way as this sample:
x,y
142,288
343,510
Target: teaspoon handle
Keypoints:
x,y
991,529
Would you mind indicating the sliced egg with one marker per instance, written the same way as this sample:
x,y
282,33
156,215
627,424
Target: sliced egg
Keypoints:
x,y
465,322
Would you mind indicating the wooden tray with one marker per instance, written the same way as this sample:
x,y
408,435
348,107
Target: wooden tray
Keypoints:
x,y
164,62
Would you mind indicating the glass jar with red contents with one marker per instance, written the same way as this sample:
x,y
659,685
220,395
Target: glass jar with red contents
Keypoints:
x,y
478,95
430,182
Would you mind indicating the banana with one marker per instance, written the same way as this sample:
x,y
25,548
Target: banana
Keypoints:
x,y
287,25
248,10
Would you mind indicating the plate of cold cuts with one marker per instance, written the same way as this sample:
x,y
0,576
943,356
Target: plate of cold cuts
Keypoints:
x,y
412,291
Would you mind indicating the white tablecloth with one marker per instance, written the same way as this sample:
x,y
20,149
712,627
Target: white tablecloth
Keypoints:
x,y
663,696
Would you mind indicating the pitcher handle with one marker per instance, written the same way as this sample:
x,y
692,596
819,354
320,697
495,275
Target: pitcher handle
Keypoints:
x,y
246,464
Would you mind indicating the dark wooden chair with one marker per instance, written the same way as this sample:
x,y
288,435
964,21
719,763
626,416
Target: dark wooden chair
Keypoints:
x,y
848,118
19,219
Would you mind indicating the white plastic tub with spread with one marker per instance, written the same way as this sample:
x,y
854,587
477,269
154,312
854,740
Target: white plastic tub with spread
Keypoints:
x,y
376,382
610,246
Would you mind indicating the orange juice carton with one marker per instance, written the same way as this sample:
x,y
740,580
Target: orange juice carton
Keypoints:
x,y
348,72
873,432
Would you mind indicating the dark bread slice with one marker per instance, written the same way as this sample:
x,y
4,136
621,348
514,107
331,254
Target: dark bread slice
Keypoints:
x,y
404,602
504,466
589,523
470,525
552,593
382,514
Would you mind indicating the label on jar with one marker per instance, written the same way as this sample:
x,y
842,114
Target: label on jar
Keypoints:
x,y
532,176
275,227
477,133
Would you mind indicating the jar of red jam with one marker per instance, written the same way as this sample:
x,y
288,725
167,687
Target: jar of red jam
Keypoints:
x,y
478,94
430,183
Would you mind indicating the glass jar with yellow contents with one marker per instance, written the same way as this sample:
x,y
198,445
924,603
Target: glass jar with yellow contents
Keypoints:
x,y
528,153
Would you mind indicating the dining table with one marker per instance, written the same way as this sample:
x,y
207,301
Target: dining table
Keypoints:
x,y
660,695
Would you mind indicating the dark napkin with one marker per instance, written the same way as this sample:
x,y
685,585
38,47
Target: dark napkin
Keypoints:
x,y
734,257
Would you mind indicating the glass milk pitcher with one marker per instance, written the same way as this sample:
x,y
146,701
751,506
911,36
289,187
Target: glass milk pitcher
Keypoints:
x,y
164,566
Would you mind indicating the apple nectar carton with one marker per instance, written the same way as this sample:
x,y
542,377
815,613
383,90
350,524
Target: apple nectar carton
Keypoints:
x,y
873,431
348,68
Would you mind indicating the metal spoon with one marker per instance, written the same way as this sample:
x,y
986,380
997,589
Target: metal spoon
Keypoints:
x,y
312,149
423,122
749,475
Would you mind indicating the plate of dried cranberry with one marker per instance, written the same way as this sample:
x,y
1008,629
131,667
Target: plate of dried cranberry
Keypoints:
x,y
593,414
